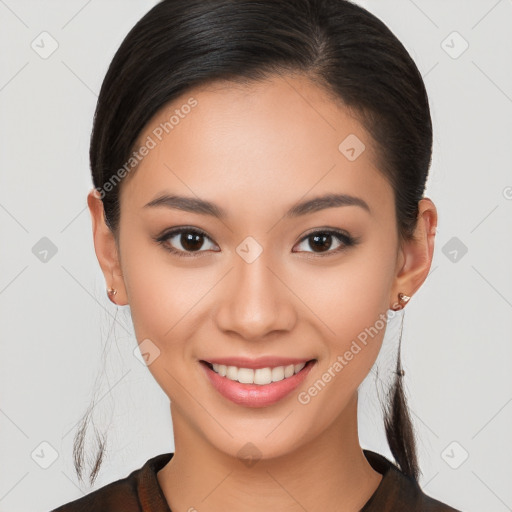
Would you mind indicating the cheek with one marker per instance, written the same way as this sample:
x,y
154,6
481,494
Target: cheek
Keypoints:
x,y
168,300
155,289
352,295
162,298
352,301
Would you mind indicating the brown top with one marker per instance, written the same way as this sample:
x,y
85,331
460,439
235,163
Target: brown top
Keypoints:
x,y
140,491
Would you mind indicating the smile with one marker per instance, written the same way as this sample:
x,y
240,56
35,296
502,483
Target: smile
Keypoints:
x,y
256,387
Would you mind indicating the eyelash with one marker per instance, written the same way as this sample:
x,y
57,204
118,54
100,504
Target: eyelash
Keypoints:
x,y
345,239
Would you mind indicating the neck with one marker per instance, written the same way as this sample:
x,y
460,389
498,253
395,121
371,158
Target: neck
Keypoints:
x,y
330,471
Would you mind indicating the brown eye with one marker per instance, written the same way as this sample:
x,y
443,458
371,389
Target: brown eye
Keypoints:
x,y
323,241
185,241
191,241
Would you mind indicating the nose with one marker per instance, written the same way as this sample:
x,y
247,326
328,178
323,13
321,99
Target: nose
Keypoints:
x,y
255,301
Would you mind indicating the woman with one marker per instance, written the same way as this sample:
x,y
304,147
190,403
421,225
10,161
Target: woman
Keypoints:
x,y
259,170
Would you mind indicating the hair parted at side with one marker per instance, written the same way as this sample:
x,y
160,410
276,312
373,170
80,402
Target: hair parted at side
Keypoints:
x,y
342,47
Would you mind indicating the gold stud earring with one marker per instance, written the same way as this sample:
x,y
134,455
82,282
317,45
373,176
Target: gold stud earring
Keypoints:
x,y
402,301
111,292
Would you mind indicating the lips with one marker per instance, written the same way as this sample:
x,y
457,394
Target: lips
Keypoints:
x,y
239,382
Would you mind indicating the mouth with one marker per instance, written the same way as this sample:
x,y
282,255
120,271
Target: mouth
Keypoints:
x,y
259,386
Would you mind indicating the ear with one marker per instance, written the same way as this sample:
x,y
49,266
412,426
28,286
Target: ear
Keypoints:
x,y
106,248
415,255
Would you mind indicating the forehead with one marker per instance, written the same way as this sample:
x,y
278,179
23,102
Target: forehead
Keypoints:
x,y
264,142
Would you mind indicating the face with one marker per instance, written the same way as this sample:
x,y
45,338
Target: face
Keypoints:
x,y
266,279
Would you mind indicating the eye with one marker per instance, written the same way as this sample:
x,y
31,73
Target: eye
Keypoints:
x,y
323,241
183,241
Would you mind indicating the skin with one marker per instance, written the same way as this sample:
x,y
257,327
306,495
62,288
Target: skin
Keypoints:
x,y
255,151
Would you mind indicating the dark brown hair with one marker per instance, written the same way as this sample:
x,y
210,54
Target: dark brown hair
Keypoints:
x,y
180,44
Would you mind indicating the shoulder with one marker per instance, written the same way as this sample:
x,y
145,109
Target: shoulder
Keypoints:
x,y
119,496
127,494
412,497
398,492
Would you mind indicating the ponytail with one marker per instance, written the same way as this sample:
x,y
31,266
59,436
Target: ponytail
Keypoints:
x,y
398,424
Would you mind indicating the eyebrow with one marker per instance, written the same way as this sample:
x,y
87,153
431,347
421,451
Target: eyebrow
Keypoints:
x,y
204,207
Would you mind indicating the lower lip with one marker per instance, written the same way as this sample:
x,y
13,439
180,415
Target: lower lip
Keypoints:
x,y
256,395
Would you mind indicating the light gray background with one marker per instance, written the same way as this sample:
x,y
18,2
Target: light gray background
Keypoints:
x,y
60,332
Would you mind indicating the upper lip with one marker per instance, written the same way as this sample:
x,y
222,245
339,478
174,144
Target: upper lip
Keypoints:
x,y
260,362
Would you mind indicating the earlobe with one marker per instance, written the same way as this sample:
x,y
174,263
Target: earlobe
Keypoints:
x,y
415,256
106,250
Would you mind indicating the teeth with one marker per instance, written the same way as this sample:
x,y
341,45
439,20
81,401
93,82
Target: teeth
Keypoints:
x,y
246,375
277,373
289,371
259,376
